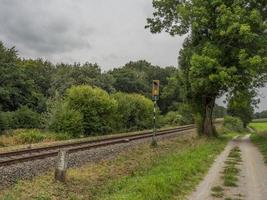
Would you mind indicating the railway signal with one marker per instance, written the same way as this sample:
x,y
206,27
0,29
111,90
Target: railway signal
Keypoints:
x,y
155,90
155,97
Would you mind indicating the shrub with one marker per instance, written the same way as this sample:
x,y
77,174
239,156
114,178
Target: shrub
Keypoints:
x,y
6,121
61,136
186,111
172,118
199,124
134,112
233,124
96,106
3,122
24,117
63,119
29,137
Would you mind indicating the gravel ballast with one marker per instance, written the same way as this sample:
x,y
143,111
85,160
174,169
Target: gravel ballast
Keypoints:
x,y
9,175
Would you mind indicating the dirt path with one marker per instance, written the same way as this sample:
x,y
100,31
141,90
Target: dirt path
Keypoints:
x,y
252,177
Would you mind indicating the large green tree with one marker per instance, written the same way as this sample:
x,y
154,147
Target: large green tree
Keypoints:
x,y
241,104
225,49
16,89
136,77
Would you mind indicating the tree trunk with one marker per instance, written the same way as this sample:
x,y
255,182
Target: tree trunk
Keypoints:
x,y
208,128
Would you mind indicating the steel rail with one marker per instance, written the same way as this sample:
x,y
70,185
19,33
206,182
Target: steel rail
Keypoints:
x,y
43,152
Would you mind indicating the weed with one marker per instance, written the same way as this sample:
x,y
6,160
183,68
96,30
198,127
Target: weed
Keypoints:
x,y
231,172
230,180
217,191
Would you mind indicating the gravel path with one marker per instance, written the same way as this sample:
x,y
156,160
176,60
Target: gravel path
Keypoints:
x,y
252,183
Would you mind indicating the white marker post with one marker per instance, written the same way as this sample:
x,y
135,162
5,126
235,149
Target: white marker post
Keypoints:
x,y
62,165
155,97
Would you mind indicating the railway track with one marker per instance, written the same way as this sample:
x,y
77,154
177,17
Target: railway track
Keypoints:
x,y
19,156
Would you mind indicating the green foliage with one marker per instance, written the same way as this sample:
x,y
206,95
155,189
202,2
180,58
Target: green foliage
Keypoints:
x,y
261,141
241,105
261,115
167,177
96,106
27,87
17,88
33,83
3,122
65,120
171,94
186,112
225,49
259,126
30,136
233,124
134,112
25,117
66,76
136,77
219,111
199,123
172,118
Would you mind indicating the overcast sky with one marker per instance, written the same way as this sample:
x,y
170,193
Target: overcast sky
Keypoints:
x,y
110,33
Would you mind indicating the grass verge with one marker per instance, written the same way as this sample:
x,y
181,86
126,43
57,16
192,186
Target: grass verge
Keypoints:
x,y
261,142
170,171
260,137
231,172
259,126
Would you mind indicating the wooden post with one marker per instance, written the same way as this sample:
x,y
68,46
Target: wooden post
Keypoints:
x,y
62,165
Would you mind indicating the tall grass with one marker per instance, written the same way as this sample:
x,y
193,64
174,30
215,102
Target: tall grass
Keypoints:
x,y
173,175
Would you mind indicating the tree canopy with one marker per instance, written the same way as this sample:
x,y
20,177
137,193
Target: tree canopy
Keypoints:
x,y
225,49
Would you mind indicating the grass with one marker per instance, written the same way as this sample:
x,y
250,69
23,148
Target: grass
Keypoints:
x,y
231,172
29,136
21,138
260,120
261,142
217,192
259,127
170,171
260,137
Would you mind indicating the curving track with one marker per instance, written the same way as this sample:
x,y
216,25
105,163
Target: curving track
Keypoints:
x,y
14,157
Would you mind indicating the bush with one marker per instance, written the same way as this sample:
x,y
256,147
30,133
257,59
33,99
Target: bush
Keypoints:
x,y
24,117
96,106
66,120
172,118
185,110
134,112
198,122
3,122
29,137
6,121
233,124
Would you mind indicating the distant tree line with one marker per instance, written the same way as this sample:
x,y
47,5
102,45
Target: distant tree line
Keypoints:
x,y
261,115
80,98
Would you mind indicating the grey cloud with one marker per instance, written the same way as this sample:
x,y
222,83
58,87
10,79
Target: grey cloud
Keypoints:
x,y
109,32
43,30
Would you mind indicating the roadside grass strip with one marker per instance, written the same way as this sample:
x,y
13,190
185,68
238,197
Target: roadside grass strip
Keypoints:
x,y
259,126
231,172
261,142
260,137
170,171
174,175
